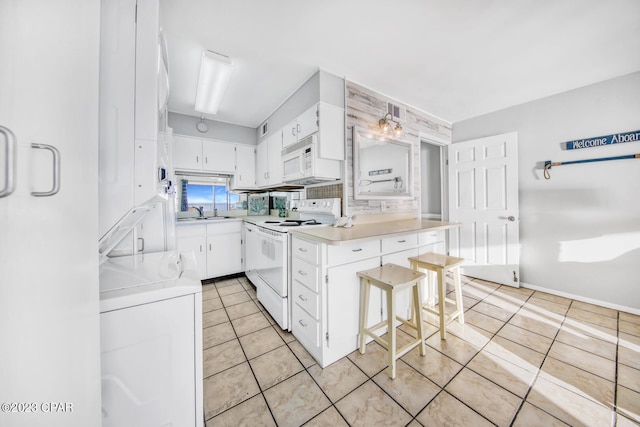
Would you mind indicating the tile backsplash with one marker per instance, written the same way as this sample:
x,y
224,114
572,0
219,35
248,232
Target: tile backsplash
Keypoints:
x,y
325,192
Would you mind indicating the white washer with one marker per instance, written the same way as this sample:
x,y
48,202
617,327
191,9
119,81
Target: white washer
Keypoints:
x,y
151,339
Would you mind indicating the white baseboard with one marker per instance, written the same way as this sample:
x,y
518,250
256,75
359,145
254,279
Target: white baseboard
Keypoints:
x,y
631,310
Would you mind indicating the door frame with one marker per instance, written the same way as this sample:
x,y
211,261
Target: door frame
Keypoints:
x,y
444,176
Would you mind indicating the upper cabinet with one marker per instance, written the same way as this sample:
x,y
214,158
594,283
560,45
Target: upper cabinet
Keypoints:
x,y
191,154
269,161
218,156
301,127
328,121
203,155
245,176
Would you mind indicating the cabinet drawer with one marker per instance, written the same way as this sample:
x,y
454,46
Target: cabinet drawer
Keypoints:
x,y
308,300
353,252
224,226
305,250
304,327
399,243
429,237
305,273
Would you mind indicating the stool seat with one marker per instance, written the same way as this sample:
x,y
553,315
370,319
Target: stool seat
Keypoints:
x,y
440,264
391,278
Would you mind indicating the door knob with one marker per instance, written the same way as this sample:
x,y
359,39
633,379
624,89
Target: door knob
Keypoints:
x,y
511,218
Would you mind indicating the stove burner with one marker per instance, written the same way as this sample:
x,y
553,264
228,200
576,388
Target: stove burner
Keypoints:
x,y
298,222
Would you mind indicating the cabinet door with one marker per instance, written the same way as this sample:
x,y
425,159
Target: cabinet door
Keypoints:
x,y
218,156
262,163
187,153
224,254
197,245
343,301
275,159
245,175
307,123
48,248
290,134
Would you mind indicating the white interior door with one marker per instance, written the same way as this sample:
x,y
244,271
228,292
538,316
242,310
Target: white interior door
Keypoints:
x,y
483,196
49,302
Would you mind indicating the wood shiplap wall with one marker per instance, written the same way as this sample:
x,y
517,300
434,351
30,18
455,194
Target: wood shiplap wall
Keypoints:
x,y
364,108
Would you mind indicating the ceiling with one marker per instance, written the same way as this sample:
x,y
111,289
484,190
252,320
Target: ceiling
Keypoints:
x,y
455,59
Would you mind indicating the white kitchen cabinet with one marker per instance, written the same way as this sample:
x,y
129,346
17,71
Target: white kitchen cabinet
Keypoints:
x,y
217,246
269,161
262,163
301,127
328,121
193,237
245,173
50,304
187,153
192,154
274,156
326,289
224,248
326,296
218,156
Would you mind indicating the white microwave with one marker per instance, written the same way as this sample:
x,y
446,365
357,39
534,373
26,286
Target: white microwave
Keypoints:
x,y
302,164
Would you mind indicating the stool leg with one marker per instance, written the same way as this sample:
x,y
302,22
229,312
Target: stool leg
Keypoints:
x,y
412,313
391,317
364,311
431,288
417,306
441,287
458,289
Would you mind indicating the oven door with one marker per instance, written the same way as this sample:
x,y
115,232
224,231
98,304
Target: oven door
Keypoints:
x,y
271,264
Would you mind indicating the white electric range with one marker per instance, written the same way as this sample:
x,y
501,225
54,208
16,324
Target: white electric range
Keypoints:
x,y
267,253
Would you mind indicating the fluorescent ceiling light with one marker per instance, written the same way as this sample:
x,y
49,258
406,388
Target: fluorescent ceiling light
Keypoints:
x,y
215,71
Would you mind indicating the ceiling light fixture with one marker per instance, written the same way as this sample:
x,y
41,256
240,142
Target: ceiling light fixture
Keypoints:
x,y
385,126
215,72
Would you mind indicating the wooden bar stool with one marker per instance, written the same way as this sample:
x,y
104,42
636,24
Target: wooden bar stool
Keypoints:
x,y
440,265
391,278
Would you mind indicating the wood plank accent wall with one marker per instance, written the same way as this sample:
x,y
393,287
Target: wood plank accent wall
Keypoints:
x,y
364,108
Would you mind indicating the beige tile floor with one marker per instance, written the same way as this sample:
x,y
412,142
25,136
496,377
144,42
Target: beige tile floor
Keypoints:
x,y
522,358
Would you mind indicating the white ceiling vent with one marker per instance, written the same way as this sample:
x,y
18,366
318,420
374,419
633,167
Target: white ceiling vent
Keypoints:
x,y
396,111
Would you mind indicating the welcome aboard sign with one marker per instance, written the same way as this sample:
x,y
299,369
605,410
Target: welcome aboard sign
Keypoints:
x,y
617,138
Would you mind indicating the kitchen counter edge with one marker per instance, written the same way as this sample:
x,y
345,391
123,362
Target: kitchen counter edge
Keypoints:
x,y
363,232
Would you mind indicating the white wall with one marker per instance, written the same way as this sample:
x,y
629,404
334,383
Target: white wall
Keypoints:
x,y
580,230
186,125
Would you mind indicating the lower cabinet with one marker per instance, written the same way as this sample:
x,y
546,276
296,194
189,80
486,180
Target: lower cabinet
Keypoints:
x,y
326,289
217,246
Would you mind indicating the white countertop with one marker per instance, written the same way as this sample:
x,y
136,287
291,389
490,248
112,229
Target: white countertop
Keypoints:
x,y
341,235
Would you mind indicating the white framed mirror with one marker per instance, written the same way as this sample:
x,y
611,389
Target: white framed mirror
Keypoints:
x,y
382,166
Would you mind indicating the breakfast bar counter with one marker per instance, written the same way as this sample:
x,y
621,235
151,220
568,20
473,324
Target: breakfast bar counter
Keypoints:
x,y
377,230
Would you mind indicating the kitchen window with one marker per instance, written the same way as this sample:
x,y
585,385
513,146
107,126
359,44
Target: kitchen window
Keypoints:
x,y
212,193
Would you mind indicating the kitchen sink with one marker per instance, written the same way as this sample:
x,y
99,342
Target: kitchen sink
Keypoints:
x,y
200,218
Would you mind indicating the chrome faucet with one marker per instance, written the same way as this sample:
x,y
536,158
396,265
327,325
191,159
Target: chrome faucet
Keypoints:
x,y
200,210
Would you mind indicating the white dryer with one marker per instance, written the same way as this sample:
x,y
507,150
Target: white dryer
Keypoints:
x,y
151,336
